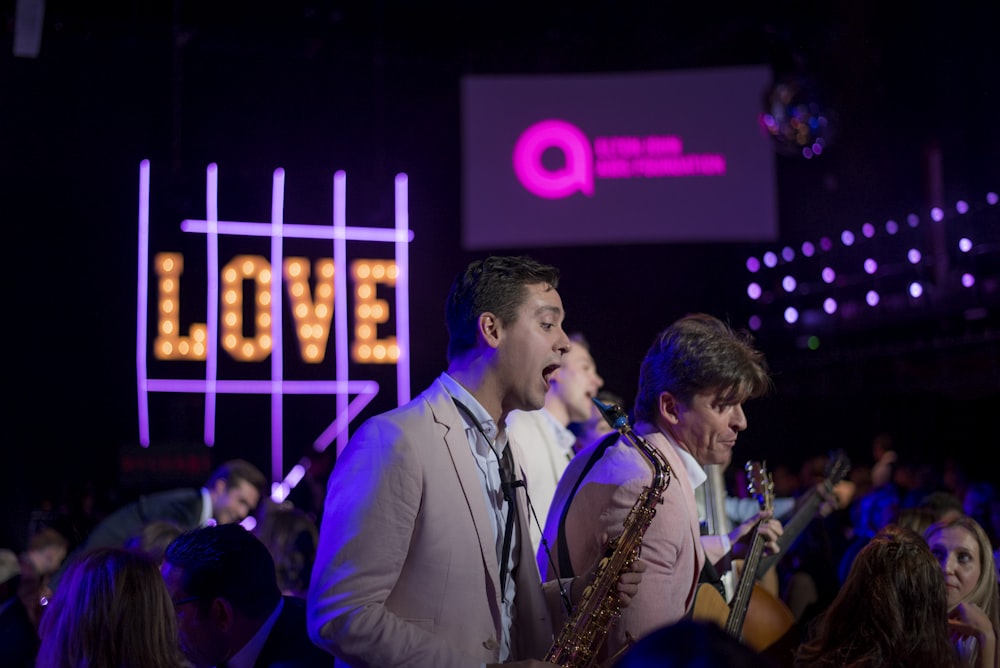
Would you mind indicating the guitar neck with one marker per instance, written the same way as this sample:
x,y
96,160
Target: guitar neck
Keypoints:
x,y
741,601
801,517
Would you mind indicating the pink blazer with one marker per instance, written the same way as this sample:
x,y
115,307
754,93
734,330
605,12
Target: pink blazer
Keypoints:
x,y
671,547
406,572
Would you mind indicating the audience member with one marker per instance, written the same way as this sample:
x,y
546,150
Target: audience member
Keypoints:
x,y
891,611
878,508
18,635
963,550
47,549
231,493
692,385
111,610
228,605
291,537
692,644
154,537
544,435
424,556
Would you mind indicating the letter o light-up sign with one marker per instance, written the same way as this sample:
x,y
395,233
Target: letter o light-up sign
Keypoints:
x,y
312,312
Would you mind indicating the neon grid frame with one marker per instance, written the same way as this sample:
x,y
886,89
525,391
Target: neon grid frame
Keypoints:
x,y
277,387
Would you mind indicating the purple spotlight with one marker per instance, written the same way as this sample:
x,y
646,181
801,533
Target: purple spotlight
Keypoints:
x,y
791,315
965,244
914,256
916,289
830,305
828,275
992,199
937,215
787,254
872,298
754,291
871,266
789,283
847,238
807,152
968,280
912,220
817,148
754,322
891,226
808,249
962,206
825,243
753,265
868,230
770,259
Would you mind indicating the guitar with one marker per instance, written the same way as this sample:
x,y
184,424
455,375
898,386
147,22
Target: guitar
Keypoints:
x,y
761,487
837,467
767,618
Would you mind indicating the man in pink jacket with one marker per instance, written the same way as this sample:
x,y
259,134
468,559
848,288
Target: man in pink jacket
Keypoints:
x,y
692,386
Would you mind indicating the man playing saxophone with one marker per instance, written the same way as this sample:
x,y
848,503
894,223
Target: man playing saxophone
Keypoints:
x,y
424,556
692,385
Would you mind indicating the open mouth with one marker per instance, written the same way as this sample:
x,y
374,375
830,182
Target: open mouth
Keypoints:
x,y
548,371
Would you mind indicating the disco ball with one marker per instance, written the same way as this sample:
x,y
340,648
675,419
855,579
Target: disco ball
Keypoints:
x,y
796,118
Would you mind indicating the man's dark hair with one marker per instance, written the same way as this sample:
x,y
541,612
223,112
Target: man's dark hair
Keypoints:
x,y
700,353
495,285
226,561
236,470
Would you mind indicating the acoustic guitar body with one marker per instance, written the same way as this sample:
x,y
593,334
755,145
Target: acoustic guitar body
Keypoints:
x,y
768,619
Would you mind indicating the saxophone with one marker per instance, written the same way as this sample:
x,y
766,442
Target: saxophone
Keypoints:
x,y
584,634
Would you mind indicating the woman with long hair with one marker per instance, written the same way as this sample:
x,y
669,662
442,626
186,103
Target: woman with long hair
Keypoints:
x,y
110,610
963,549
891,611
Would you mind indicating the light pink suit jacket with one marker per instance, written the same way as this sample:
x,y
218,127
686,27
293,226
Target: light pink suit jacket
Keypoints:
x,y
672,547
406,573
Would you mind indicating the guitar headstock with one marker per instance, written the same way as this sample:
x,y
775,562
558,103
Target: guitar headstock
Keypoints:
x,y
760,484
837,467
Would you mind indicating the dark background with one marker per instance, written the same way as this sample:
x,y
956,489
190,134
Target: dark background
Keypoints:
x,y
373,89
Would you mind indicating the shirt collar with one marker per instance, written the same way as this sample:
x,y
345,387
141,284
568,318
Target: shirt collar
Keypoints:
x,y
206,508
247,656
456,390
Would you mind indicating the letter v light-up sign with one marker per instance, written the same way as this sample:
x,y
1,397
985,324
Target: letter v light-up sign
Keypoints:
x,y
312,312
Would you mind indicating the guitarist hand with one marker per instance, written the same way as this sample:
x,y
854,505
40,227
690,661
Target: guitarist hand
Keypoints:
x,y
770,528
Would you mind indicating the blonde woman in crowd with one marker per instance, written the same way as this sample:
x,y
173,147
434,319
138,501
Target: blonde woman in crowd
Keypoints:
x,y
963,549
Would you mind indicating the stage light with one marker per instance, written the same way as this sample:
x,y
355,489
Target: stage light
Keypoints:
x,y
871,266
962,206
789,283
968,280
912,220
813,342
828,275
791,315
965,244
825,243
754,322
914,256
872,298
847,238
992,198
916,289
754,291
770,259
868,230
787,254
891,226
808,249
830,305
937,215
753,265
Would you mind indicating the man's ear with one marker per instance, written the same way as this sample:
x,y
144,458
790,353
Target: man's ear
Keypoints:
x,y
489,329
669,407
222,613
219,487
